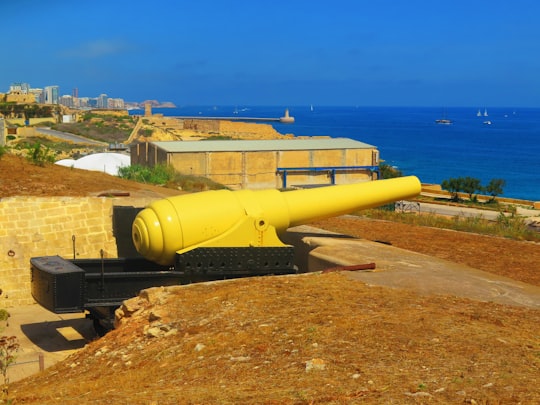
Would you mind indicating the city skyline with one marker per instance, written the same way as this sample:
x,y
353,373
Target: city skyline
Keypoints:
x,y
51,94
345,52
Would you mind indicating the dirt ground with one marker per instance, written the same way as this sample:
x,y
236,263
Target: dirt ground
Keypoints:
x,y
307,339
20,178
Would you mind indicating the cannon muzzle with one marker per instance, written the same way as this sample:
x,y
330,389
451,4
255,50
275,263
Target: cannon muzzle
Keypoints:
x,y
251,218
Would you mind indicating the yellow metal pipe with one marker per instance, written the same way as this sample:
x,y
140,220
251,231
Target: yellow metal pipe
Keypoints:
x,y
243,218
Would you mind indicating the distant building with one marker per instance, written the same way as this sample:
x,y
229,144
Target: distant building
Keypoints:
x,y
66,101
51,94
102,101
116,103
22,88
38,95
20,98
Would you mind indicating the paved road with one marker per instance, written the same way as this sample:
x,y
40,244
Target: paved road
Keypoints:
x,y
70,137
443,209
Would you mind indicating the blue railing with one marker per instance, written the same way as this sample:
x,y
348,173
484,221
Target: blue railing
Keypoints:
x,y
283,171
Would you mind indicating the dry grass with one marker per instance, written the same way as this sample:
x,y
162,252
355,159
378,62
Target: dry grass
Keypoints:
x,y
251,341
515,259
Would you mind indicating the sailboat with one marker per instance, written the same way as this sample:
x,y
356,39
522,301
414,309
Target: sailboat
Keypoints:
x,y
443,120
485,112
311,107
479,114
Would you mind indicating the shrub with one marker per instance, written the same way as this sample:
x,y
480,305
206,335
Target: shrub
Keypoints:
x,y
159,174
146,132
8,347
3,150
166,175
39,154
389,172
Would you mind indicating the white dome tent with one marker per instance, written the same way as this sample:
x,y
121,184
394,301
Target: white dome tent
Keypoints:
x,y
99,162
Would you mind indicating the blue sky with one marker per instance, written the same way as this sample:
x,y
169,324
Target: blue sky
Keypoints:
x,y
254,52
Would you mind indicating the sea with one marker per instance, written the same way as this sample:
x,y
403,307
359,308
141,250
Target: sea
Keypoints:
x,y
481,142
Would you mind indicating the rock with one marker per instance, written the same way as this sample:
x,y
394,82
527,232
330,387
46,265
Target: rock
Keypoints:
x,y
315,365
240,358
154,332
159,331
155,295
418,394
199,347
158,315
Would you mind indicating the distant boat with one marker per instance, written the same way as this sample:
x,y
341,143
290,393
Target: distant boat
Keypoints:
x,y
478,114
485,113
443,120
311,107
487,122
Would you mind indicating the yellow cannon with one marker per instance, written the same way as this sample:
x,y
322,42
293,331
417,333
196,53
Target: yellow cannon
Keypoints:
x,y
212,235
172,227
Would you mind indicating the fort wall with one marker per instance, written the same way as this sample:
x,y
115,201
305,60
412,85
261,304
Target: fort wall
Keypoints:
x,y
44,226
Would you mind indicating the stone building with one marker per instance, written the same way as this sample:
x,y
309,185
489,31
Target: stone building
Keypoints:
x,y
20,98
257,164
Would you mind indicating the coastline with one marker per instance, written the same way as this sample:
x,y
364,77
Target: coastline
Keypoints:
x,y
409,139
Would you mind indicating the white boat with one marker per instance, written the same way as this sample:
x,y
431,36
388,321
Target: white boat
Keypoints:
x,y
443,120
487,122
478,114
485,113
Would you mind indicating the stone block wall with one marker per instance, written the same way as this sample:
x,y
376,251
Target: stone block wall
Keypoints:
x,y
44,226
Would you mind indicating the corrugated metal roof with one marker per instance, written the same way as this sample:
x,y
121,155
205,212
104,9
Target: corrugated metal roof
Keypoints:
x,y
261,145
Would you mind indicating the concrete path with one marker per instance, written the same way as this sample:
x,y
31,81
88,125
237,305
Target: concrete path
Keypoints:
x,y
44,334
399,268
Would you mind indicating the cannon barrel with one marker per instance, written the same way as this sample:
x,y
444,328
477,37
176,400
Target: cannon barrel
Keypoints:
x,y
251,218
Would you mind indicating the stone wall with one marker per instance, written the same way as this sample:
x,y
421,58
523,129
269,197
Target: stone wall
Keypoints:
x,y
249,130
257,169
45,226
175,129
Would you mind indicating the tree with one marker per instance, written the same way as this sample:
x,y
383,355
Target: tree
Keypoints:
x,y
495,188
454,186
470,185
389,172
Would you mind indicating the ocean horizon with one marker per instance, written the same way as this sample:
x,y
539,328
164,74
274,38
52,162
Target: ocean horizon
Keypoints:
x,y
481,142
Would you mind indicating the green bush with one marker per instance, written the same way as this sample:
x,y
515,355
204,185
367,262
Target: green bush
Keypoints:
x,y
159,174
389,172
146,132
166,175
39,154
